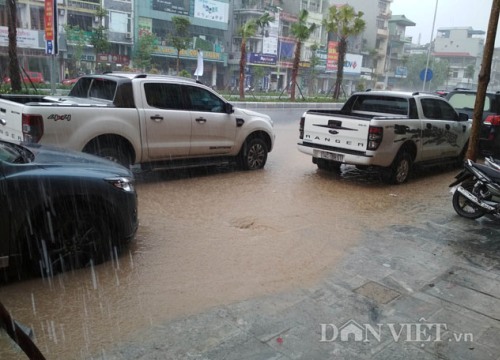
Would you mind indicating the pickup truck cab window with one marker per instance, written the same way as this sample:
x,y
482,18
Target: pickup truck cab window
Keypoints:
x,y
381,104
203,100
164,96
437,109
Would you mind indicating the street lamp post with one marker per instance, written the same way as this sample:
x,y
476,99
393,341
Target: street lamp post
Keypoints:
x,y
430,46
279,48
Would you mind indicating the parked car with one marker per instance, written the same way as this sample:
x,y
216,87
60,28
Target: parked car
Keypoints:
x,y
463,100
33,76
61,209
70,81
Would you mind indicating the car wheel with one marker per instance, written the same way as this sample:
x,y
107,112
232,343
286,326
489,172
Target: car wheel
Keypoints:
x,y
115,151
400,169
463,206
69,238
253,154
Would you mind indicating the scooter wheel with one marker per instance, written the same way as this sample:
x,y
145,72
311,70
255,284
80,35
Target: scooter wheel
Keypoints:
x,y
463,206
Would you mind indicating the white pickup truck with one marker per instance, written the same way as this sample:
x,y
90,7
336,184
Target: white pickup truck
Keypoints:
x,y
388,130
153,120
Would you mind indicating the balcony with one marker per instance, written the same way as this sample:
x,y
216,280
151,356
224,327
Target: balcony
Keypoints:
x,y
384,33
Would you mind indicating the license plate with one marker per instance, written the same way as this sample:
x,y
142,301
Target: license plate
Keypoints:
x,y
330,156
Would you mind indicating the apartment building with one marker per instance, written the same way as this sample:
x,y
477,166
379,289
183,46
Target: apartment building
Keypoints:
x,y
462,48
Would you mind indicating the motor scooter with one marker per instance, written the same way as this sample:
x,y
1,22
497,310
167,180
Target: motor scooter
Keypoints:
x,y
476,190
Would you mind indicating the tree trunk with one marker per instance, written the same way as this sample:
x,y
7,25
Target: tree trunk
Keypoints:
x,y
242,69
177,65
14,74
483,81
342,49
295,69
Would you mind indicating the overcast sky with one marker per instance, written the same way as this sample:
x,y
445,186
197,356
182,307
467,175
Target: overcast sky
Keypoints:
x,y
450,13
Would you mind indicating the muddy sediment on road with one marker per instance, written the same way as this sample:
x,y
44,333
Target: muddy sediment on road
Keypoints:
x,y
216,236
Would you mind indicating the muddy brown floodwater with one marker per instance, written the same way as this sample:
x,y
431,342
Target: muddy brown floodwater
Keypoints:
x,y
212,237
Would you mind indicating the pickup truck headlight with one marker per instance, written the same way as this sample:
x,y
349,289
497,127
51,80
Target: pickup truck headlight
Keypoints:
x,y
122,183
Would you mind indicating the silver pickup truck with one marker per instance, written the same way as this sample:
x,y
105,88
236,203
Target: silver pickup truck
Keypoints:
x,y
153,120
388,130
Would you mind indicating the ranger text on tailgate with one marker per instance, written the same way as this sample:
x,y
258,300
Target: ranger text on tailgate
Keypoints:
x,y
388,130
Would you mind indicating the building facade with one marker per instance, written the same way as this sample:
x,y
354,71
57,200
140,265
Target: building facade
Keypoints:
x,y
462,48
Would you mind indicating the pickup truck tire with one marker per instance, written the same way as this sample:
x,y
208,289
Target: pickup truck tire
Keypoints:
x,y
400,169
79,238
115,151
253,154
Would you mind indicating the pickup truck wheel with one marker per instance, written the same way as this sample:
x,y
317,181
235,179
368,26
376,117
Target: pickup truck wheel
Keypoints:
x,y
74,239
253,155
400,169
116,154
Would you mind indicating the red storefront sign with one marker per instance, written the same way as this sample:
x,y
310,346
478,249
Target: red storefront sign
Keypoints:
x,y
49,20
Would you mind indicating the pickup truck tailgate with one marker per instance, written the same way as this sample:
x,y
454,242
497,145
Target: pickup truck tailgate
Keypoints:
x,y
338,132
10,121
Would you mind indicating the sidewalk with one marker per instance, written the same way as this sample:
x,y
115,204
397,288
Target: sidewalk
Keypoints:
x,y
427,290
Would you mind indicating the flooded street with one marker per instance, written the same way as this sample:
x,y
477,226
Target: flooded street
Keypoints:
x,y
216,236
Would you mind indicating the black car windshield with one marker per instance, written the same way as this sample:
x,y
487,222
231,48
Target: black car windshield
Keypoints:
x,y
13,153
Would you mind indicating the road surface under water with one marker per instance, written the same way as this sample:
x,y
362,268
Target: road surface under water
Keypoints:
x,y
214,236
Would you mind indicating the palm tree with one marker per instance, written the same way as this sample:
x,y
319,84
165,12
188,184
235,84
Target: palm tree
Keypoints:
x,y
343,22
301,32
14,73
247,30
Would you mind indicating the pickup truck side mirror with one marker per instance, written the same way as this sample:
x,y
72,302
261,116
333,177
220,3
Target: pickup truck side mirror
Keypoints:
x,y
463,117
229,108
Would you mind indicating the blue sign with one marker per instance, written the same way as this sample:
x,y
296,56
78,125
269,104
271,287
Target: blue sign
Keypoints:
x,y
49,48
426,75
262,59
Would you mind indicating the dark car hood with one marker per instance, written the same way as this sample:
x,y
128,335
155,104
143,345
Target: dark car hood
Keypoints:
x,y
49,156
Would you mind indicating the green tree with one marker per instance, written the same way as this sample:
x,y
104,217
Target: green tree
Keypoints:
x,y
75,37
469,73
301,31
415,65
144,48
14,72
99,36
343,22
313,73
246,31
180,37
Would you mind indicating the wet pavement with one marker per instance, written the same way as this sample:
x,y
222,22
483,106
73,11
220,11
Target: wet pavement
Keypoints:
x,y
285,263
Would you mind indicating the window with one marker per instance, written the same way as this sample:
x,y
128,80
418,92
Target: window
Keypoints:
x,y
467,101
438,110
163,96
203,100
381,104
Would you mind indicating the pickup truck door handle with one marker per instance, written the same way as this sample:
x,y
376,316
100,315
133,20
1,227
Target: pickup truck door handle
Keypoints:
x,y
201,120
157,118
447,126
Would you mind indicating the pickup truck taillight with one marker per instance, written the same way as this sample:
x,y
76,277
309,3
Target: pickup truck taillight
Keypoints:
x,y
493,120
301,127
375,135
32,127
